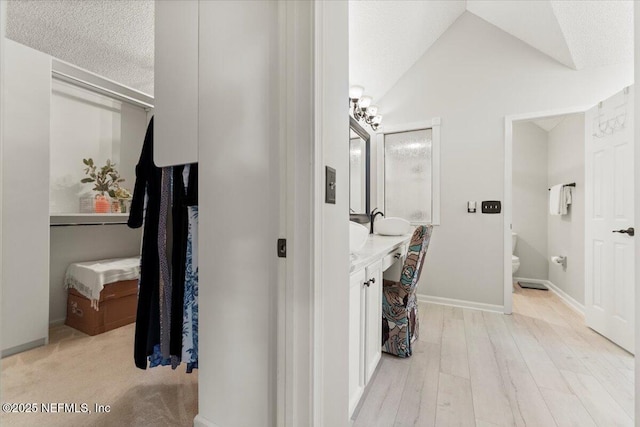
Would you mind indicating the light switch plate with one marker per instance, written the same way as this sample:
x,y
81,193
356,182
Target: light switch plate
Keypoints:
x,y
330,185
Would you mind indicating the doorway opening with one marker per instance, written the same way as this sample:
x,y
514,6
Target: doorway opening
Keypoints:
x,y
569,212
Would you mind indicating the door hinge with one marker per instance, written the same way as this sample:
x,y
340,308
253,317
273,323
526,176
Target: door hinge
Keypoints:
x,y
282,248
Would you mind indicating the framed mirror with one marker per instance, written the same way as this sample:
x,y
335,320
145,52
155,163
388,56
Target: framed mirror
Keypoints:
x,y
359,172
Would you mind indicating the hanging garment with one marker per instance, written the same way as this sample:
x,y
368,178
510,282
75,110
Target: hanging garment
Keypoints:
x,y
180,229
190,318
147,187
164,247
175,242
160,202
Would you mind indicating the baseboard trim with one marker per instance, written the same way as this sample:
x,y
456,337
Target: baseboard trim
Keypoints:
x,y
200,421
24,347
461,303
56,322
564,297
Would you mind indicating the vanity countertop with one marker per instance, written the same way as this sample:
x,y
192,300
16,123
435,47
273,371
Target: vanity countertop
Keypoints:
x,y
376,248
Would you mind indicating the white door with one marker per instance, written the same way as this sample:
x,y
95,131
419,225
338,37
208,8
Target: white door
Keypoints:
x,y
609,199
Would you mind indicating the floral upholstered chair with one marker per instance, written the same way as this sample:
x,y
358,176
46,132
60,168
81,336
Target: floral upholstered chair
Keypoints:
x,y
399,303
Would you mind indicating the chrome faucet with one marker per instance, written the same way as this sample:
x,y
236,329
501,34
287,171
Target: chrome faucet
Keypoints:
x,y
374,214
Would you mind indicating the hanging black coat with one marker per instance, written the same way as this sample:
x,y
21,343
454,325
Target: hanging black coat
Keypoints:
x,y
148,182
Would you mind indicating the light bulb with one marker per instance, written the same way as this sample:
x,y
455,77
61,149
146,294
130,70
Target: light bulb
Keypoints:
x,y
377,119
372,110
364,102
355,92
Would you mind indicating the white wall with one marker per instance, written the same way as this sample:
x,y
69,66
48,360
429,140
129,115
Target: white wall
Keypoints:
x,y
472,77
85,124
133,122
332,32
25,203
566,232
530,199
239,212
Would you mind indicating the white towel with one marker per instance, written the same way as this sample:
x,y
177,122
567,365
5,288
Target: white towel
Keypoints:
x,y
554,199
559,199
89,278
567,196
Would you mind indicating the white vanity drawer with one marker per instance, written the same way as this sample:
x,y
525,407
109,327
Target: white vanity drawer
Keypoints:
x,y
396,255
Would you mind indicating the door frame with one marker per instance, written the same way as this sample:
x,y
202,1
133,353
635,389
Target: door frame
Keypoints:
x,y
3,24
295,322
306,307
636,21
508,188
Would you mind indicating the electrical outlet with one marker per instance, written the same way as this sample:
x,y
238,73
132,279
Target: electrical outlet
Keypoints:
x,y
491,207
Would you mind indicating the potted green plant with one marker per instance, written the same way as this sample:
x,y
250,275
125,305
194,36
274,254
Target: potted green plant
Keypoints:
x,y
106,181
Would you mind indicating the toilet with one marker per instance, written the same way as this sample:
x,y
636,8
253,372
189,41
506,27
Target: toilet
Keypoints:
x,y
515,261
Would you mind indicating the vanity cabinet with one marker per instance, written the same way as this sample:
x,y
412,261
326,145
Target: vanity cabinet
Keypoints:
x,y
365,328
380,256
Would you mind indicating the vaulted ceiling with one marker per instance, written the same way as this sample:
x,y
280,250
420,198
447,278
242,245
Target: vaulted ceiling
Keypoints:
x,y
114,38
387,38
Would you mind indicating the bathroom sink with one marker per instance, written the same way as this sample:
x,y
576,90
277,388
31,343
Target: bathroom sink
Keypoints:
x,y
392,226
357,236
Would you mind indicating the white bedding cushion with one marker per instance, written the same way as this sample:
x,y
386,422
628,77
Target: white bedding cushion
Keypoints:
x,y
89,278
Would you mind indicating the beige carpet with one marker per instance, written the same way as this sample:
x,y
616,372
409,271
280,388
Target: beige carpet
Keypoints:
x,y
77,368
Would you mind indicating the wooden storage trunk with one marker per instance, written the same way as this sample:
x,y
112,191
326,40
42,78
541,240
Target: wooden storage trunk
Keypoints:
x,y
118,304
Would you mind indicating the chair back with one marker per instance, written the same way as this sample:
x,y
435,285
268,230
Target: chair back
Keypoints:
x,y
412,267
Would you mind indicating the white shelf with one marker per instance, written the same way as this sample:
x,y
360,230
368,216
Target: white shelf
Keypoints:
x,y
87,218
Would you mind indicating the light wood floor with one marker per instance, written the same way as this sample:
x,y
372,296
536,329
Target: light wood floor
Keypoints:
x,y
538,367
77,368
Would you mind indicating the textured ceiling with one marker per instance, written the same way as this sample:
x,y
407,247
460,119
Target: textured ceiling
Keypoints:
x,y
533,22
114,38
111,38
598,33
386,38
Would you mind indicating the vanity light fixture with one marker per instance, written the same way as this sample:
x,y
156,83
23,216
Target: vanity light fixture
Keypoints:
x,y
361,108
